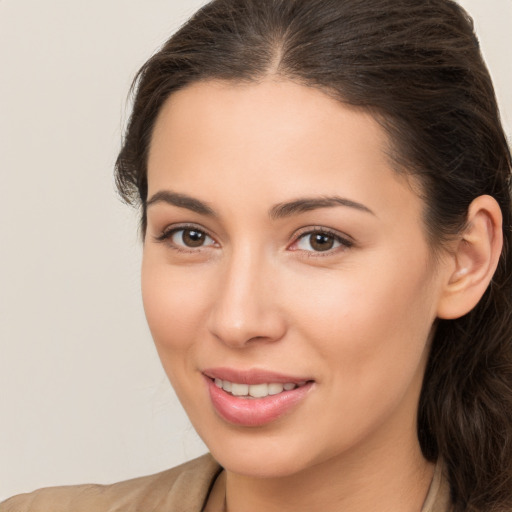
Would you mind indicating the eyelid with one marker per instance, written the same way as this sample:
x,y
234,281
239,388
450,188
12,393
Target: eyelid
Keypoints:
x,y
167,233
345,240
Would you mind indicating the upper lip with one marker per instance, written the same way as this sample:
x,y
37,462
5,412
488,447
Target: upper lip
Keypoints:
x,y
252,376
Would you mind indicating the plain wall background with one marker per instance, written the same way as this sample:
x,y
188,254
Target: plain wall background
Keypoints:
x,y
82,395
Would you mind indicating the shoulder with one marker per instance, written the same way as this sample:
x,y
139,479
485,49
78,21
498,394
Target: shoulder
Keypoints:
x,y
183,488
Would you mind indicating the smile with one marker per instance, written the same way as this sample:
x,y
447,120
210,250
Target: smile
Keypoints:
x,y
256,390
254,398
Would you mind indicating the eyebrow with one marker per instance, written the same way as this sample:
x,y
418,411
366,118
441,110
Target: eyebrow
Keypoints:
x,y
278,211
306,204
182,201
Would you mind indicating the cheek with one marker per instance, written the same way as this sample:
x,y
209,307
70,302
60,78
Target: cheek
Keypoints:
x,y
371,334
175,301
372,323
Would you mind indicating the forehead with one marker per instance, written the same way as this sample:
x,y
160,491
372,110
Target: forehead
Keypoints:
x,y
274,102
274,138
220,118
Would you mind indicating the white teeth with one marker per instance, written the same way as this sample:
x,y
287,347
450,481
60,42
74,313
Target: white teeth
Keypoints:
x,y
239,389
275,388
256,390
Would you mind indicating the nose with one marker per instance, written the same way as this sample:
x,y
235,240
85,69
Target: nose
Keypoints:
x,y
245,309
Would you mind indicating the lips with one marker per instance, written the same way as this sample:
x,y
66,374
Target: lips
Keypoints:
x,y
254,398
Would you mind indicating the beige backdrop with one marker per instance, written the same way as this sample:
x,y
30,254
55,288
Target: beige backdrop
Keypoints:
x,y
82,394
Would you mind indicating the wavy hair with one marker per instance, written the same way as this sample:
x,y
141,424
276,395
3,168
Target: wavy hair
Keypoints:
x,y
416,65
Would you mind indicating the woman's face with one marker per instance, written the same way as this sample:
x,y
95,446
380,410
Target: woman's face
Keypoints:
x,y
282,251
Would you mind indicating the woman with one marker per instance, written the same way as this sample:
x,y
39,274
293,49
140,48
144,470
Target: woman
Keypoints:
x,y
326,213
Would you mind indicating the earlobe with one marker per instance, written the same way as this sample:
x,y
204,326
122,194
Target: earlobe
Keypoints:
x,y
474,259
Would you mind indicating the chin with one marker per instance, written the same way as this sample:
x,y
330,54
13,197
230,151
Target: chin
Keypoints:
x,y
261,465
258,453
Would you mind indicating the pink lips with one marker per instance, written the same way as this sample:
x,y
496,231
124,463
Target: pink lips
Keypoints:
x,y
253,412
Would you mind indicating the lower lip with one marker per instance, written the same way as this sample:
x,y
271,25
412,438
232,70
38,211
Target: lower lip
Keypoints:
x,y
254,412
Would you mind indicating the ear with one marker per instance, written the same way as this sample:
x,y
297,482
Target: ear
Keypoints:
x,y
474,259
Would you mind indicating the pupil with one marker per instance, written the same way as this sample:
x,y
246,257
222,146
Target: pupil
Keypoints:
x,y
193,238
322,242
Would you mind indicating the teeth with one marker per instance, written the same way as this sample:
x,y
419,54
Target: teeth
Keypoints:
x,y
239,389
256,390
274,389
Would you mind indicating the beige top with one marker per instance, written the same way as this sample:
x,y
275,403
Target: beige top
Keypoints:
x,y
184,488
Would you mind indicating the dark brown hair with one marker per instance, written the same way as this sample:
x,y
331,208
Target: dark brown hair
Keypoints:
x,y
416,65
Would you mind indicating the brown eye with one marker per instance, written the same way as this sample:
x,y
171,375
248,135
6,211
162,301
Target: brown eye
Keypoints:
x,y
192,238
320,241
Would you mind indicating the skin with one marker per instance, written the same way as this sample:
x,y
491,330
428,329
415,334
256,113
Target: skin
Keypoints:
x,y
357,319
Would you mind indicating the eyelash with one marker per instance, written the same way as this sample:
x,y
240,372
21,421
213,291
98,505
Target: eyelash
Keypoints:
x,y
344,243
169,232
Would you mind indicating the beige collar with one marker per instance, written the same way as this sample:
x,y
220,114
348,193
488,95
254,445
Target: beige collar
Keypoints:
x,y
438,496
